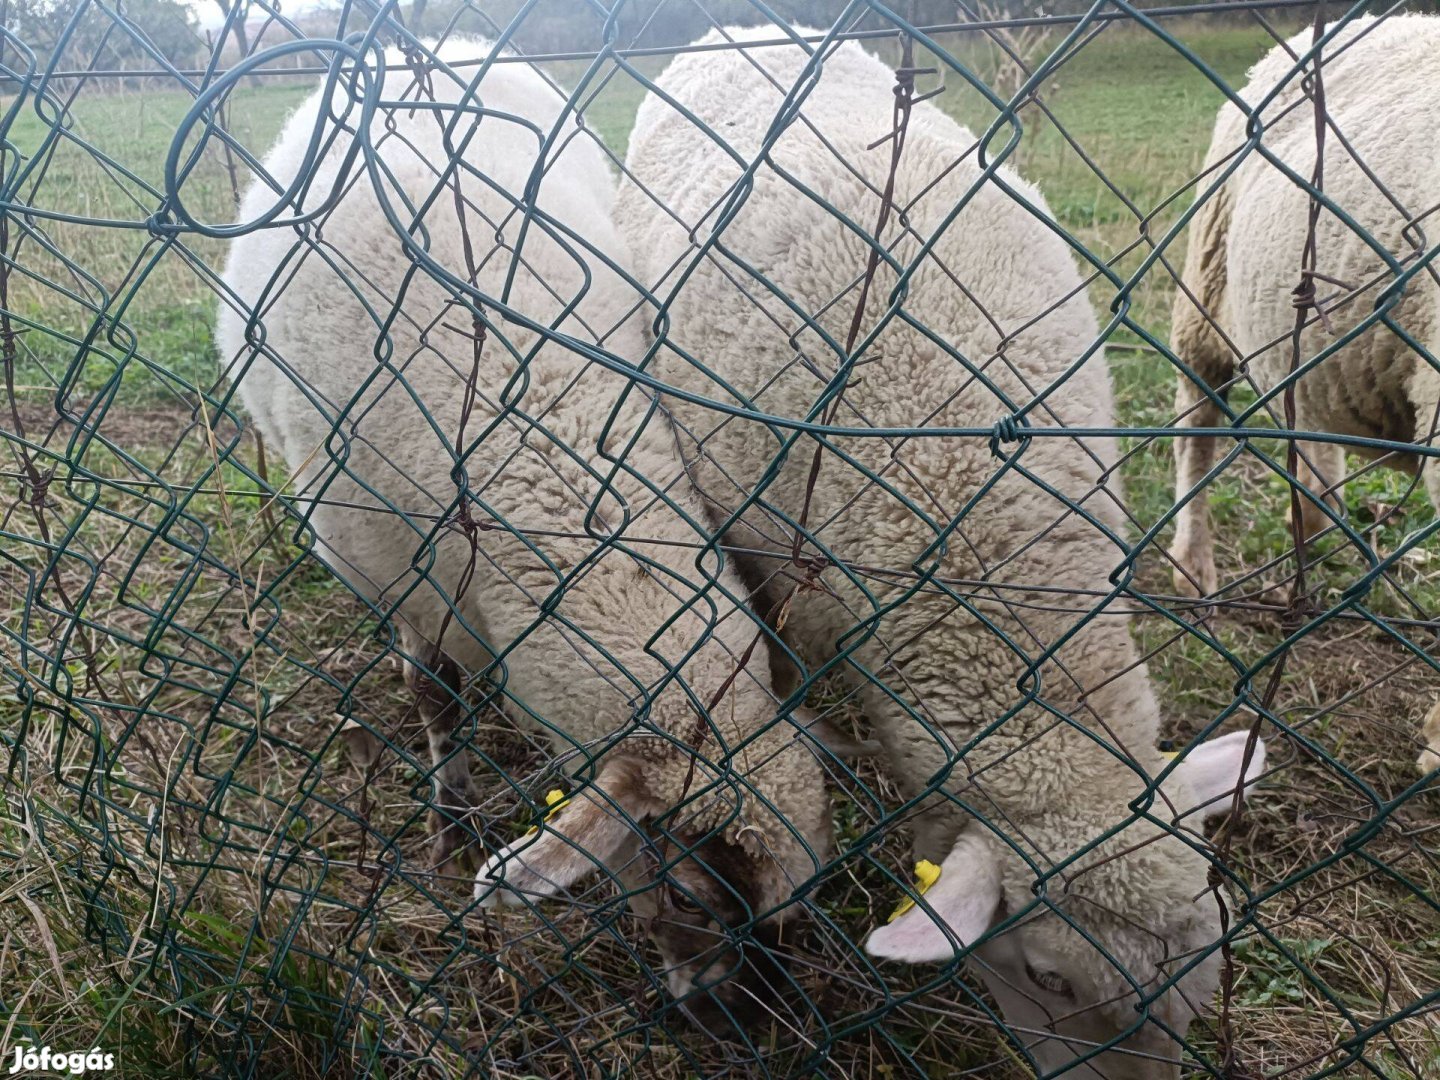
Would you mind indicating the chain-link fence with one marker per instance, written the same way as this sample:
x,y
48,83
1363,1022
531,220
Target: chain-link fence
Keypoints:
x,y
463,617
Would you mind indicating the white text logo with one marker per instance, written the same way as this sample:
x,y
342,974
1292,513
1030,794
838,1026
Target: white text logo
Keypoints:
x,y
28,1059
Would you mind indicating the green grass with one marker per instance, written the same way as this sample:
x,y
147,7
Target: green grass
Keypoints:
x,y
164,305
1140,110
142,313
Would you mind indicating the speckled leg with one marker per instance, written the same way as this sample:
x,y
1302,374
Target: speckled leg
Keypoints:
x,y
1193,550
438,700
1425,397
1199,341
1321,470
1429,758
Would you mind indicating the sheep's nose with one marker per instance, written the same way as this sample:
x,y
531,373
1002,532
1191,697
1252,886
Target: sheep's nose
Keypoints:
x,y
740,996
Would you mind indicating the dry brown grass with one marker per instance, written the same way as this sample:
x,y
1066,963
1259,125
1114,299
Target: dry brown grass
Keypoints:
x,y
262,868
271,885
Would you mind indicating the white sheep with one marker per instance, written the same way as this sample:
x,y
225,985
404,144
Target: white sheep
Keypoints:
x,y
1236,304
762,321
386,381
1382,89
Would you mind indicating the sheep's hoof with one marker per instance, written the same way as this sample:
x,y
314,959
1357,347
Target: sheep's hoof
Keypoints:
x,y
1194,578
451,845
361,743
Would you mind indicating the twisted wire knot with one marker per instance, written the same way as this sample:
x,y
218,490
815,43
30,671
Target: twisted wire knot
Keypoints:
x,y
35,487
1005,432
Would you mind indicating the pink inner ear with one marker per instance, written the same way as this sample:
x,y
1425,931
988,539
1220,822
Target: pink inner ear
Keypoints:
x,y
584,837
965,897
1212,770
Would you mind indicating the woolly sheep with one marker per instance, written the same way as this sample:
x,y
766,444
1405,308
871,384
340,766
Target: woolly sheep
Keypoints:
x,y
966,348
584,591
1236,305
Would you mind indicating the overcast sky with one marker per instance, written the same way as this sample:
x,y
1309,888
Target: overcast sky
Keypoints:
x,y
208,12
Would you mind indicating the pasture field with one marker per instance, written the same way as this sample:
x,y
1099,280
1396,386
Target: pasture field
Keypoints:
x,y
190,945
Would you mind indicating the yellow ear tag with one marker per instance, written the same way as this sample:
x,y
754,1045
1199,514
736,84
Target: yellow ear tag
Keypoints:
x,y
555,799
926,875
1169,755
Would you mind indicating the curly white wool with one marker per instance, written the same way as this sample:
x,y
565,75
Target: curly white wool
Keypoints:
x,y
587,580
993,316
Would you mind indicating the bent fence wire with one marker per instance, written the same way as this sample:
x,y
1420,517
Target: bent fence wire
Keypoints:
x,y
217,849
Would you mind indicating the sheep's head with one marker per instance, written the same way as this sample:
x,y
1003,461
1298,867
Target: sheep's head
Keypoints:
x,y
1088,963
709,887
725,969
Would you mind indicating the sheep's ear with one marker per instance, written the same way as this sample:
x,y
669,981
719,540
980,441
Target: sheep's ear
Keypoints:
x,y
1208,773
966,897
595,830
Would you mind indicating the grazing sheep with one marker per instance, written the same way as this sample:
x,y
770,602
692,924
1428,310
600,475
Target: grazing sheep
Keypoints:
x,y
762,321
1382,92
584,595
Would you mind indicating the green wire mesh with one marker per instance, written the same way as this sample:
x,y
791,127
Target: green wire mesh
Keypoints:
x,y
214,851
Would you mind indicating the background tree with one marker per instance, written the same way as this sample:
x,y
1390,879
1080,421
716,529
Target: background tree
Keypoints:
x,y
122,35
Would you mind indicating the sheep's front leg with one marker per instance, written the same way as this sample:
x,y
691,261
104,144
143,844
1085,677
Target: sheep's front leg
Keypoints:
x,y
438,699
1429,759
1425,397
1321,470
1193,551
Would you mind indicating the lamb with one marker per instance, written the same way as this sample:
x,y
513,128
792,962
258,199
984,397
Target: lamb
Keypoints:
x,y
934,571
454,397
1235,309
